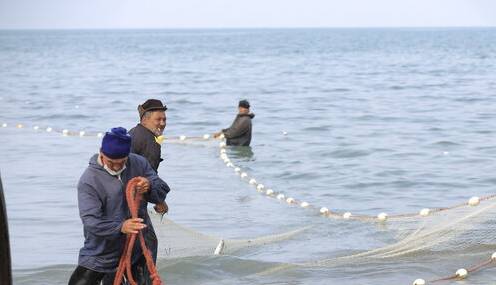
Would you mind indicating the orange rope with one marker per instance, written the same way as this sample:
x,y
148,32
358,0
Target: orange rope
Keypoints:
x,y
133,202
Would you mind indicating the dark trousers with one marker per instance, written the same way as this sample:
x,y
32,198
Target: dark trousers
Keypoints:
x,y
85,276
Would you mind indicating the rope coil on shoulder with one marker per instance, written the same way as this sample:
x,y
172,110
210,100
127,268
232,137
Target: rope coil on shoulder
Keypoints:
x,y
133,201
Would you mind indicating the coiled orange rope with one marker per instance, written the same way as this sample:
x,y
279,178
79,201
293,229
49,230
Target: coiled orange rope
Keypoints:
x,y
133,201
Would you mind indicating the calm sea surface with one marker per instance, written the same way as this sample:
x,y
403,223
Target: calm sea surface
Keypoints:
x,y
377,120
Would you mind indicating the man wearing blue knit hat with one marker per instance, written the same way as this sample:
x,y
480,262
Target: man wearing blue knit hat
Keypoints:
x,y
104,212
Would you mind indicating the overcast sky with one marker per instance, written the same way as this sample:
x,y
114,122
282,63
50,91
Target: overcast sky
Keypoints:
x,y
67,14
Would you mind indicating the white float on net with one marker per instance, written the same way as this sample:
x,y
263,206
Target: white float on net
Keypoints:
x,y
382,217
461,273
244,175
304,204
206,136
237,169
425,212
182,138
269,192
49,129
260,187
346,215
290,200
65,132
36,128
493,257
281,197
474,201
419,282
4,125
99,135
222,144
82,133
324,211
220,247
253,181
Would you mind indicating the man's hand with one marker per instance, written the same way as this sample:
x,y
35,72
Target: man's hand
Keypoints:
x,y
132,226
161,208
143,185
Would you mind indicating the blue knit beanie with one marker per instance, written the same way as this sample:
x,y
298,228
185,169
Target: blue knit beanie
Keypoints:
x,y
116,143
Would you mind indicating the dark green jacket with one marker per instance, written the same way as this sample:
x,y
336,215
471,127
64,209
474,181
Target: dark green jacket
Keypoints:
x,y
239,133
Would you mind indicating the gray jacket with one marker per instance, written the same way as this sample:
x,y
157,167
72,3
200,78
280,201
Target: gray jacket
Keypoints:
x,y
103,209
239,133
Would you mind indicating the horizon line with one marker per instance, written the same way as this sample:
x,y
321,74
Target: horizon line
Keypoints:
x,y
244,28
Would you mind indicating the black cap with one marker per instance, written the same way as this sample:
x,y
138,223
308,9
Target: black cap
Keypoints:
x,y
244,104
151,105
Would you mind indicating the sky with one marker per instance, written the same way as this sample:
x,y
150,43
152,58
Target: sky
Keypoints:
x,y
110,14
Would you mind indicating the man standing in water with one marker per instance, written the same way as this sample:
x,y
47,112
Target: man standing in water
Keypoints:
x,y
239,133
146,141
104,212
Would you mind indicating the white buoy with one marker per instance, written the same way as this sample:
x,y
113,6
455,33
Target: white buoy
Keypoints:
x,y
269,192
206,136
253,181
81,133
223,155
324,211
290,200
19,126
36,128
474,201
493,257
280,197
285,133
244,174
425,212
382,217
260,187
4,125
346,215
419,282
48,129
219,248
222,136
65,132
99,135
230,164
237,169
445,152
304,204
461,273
222,150
77,106
222,144
182,138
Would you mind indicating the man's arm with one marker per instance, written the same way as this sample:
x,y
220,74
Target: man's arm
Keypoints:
x,y
91,213
158,188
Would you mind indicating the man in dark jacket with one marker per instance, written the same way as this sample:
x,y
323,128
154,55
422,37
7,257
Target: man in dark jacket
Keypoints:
x,y
146,141
147,135
104,212
239,133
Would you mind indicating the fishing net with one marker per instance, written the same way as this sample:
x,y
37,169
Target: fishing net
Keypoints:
x,y
178,241
458,237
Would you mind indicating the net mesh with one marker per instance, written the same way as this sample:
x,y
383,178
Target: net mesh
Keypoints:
x,y
178,241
